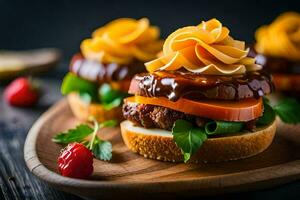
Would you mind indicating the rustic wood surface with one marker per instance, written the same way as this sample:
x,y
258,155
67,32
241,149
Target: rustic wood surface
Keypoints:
x,y
16,182
131,175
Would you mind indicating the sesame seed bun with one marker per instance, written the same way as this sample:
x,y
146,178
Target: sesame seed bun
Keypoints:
x,y
158,144
83,110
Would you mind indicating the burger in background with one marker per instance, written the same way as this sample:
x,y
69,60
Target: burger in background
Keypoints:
x,y
100,74
277,49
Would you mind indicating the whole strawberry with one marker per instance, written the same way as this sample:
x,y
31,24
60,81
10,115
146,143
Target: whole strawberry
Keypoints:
x,y
21,92
76,161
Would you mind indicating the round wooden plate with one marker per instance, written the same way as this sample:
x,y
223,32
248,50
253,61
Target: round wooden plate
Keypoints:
x,y
130,175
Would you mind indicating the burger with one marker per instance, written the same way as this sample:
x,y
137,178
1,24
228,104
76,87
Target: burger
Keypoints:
x,y
202,100
99,76
277,49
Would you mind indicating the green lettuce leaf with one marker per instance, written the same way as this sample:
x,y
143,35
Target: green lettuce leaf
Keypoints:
x,y
72,83
188,138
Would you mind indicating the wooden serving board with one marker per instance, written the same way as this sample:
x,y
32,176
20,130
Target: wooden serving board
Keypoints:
x,y
130,175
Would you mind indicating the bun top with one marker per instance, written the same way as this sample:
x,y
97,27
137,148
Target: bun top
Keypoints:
x,y
281,38
207,49
123,41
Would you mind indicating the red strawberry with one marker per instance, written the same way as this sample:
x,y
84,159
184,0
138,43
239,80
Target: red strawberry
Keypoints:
x,y
21,92
76,161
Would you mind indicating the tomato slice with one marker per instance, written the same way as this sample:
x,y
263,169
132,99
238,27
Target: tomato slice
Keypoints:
x,y
244,110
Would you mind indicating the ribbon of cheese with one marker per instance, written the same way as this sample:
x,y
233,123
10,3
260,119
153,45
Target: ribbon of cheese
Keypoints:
x,y
122,41
281,38
207,49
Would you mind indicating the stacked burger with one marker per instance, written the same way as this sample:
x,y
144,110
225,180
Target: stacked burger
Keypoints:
x,y
201,100
100,74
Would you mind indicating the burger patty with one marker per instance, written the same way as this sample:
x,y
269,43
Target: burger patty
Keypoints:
x,y
176,84
151,116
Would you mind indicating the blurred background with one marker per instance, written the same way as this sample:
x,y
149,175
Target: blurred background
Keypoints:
x,y
64,23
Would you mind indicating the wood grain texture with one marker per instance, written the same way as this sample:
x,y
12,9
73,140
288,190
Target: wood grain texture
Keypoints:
x,y
132,175
16,181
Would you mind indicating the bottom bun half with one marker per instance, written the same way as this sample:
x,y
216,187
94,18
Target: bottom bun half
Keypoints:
x,y
83,110
158,144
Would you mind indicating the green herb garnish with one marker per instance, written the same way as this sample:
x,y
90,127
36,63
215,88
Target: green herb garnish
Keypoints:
x,y
100,148
187,137
77,134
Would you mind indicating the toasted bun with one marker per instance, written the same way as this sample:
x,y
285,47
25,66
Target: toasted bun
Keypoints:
x,y
83,110
158,144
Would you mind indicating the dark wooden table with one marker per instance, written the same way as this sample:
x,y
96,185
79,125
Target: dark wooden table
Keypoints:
x,y
16,182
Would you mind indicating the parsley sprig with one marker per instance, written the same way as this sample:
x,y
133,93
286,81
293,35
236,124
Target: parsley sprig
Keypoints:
x,y
101,149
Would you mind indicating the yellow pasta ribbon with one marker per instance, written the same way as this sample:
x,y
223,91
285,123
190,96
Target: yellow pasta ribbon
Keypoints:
x,y
122,41
206,48
281,38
